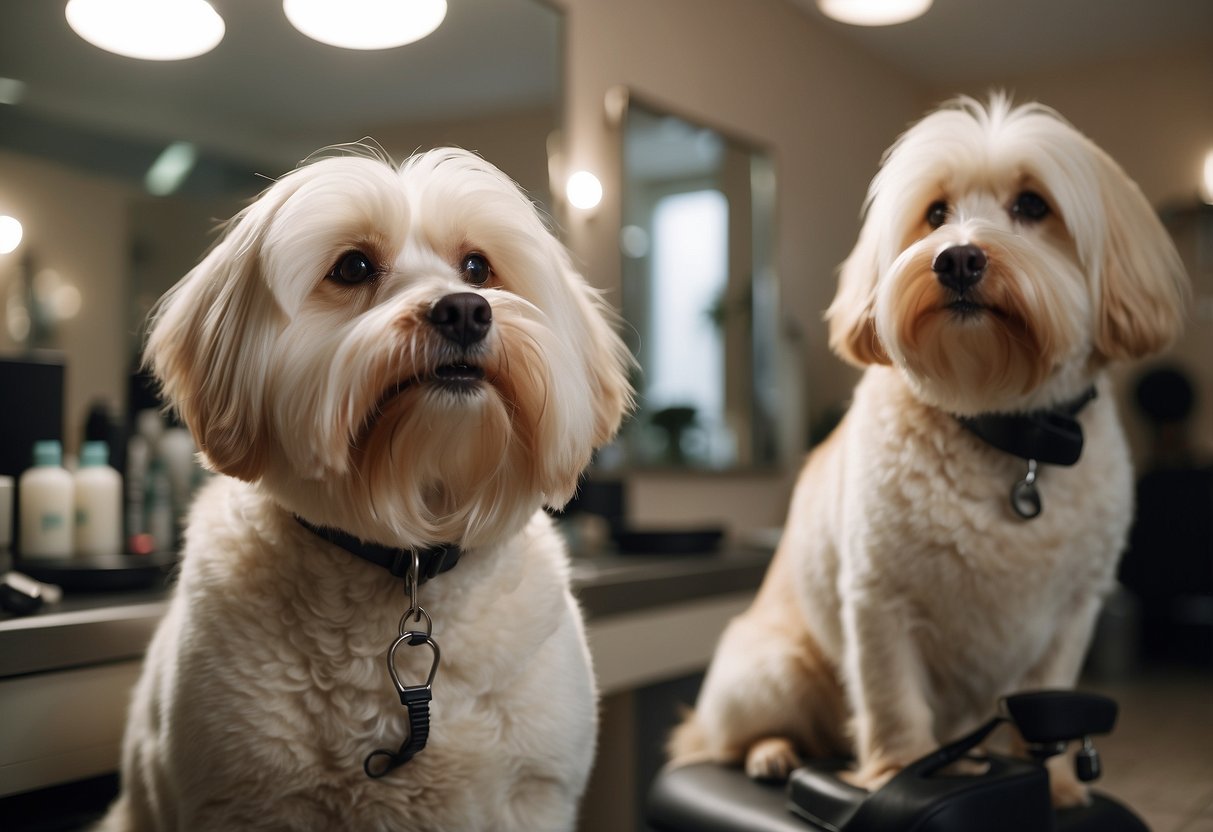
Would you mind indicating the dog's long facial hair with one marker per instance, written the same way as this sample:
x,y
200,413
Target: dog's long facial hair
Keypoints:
x,y
404,354
1003,259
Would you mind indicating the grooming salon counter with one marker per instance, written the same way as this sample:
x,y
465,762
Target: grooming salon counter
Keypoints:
x,y
66,673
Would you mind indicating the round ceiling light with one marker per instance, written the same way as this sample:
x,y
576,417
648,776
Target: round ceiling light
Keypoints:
x,y
152,30
365,24
873,12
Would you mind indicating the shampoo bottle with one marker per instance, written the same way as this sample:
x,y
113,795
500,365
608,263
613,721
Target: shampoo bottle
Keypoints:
x,y
98,490
46,504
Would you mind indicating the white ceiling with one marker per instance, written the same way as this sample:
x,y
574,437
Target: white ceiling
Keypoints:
x,y
269,94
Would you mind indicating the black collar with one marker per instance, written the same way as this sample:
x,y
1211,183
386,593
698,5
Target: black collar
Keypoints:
x,y
433,561
1052,436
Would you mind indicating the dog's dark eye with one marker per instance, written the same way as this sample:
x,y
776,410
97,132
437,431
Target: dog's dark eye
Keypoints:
x,y
937,214
476,269
354,267
1030,206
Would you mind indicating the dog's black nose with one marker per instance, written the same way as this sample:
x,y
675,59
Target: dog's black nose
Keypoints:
x,y
464,317
959,267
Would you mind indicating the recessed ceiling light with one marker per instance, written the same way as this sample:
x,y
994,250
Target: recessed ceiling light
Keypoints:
x,y
873,12
152,30
365,24
10,234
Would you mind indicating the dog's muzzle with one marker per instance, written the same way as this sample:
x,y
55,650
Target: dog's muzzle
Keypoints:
x,y
959,268
462,317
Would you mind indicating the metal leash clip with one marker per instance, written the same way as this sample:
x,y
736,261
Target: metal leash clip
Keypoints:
x,y
415,698
1025,496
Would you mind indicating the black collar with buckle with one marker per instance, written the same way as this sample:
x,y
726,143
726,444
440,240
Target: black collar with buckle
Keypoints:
x,y
433,561
1052,436
416,566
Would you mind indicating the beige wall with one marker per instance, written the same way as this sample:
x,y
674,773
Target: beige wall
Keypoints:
x,y
76,225
824,111
1153,112
515,142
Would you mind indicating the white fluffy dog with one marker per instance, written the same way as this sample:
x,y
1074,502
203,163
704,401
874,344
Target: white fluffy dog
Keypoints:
x,y
1004,261
387,359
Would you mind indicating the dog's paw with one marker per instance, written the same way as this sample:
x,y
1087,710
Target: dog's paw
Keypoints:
x,y
771,758
873,775
966,767
1064,787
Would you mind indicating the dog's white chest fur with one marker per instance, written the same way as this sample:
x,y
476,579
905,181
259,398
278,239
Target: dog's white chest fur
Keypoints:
x,y
923,531
272,686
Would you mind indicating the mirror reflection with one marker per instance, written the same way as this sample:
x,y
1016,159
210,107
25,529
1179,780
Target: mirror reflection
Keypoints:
x,y
83,132
699,293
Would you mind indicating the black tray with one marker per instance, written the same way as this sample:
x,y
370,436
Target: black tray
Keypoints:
x,y
668,541
100,572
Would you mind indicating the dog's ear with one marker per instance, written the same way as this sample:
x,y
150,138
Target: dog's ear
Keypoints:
x,y
208,346
851,314
1144,290
610,365
607,365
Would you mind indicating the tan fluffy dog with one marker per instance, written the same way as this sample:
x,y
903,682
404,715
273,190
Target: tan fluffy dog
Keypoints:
x,y
403,355
1004,261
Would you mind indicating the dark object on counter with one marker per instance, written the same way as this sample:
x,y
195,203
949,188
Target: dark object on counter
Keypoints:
x,y
668,541
602,496
101,573
32,390
20,597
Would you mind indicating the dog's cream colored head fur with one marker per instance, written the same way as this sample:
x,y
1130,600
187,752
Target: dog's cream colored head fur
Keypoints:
x,y
404,353
1003,257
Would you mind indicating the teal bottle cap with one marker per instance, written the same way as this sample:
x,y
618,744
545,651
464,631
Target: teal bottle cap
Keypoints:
x,y
93,454
48,452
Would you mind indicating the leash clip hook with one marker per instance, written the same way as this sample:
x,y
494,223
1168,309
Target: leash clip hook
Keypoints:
x,y
415,698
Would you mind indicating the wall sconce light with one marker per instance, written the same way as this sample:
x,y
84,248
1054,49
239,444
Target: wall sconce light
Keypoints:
x,y
10,234
365,24
152,30
873,12
1206,180
583,190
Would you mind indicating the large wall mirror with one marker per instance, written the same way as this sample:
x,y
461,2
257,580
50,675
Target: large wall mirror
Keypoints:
x,y
698,292
81,128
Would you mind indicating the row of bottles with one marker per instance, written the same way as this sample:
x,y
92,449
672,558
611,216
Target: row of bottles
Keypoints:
x,y
65,513
93,509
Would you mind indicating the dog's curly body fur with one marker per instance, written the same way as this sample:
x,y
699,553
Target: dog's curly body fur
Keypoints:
x,y
269,686
906,596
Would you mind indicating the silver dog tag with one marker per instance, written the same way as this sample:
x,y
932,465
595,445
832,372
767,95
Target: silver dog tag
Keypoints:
x,y
1025,498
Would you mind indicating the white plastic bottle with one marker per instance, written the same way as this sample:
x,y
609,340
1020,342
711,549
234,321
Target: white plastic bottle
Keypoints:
x,y
177,449
45,495
98,490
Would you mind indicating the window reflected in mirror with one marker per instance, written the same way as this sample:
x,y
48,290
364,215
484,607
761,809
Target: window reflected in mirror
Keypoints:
x,y
699,294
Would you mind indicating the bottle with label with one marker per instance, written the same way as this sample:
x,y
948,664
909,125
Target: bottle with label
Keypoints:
x,y
46,504
98,496
7,489
158,507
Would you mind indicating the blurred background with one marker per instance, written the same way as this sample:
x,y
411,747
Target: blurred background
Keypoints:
x,y
734,140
